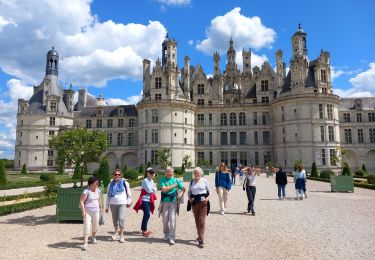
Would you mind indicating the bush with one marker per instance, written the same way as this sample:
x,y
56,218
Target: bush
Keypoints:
x,y
178,171
364,168
326,174
104,172
8,209
314,170
24,170
346,170
131,174
360,173
77,173
51,188
60,169
141,169
45,177
148,164
371,179
125,168
3,177
183,168
117,166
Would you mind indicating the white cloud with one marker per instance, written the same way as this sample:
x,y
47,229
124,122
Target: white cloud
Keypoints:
x,y
175,2
129,101
91,52
337,72
190,42
363,84
245,31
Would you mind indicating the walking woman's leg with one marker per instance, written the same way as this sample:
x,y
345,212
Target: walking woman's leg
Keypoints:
x,y
225,199
86,229
146,215
283,191
121,219
279,191
253,191
221,198
248,194
172,220
95,224
196,218
114,212
165,219
202,220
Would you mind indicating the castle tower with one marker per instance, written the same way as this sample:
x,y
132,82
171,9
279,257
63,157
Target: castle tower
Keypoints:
x,y
246,62
299,42
231,56
169,53
216,64
146,77
187,76
52,63
299,62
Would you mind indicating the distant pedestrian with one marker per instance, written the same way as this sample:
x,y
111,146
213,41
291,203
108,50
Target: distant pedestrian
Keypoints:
x,y
250,188
198,193
223,185
240,175
146,200
300,179
118,198
281,181
234,172
91,206
169,206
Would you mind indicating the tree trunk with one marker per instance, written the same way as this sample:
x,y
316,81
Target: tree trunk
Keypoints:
x,y
81,172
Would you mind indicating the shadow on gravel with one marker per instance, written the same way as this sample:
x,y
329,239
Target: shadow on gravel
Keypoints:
x,y
31,220
151,240
321,191
65,245
287,198
229,213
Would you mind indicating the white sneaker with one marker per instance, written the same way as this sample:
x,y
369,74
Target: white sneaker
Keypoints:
x,y
122,239
84,247
222,212
114,237
171,242
93,240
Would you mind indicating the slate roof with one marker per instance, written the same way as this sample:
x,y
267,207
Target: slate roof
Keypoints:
x,y
109,111
368,103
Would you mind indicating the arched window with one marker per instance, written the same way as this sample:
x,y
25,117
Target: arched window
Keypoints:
x,y
233,119
223,119
242,119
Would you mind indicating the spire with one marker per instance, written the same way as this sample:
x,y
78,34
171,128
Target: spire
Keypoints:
x,y
231,43
299,27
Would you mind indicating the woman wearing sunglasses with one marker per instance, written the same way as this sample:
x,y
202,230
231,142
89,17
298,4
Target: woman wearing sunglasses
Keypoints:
x,y
223,185
118,197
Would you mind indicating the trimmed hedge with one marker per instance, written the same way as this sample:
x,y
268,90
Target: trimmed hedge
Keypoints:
x,y
360,173
22,196
365,186
371,179
9,209
46,177
326,174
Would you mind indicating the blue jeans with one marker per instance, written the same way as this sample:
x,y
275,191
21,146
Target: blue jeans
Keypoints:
x,y
281,190
146,207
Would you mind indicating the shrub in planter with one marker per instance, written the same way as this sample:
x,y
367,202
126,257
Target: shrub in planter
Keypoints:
x,y
314,170
45,177
364,168
178,171
360,173
326,174
77,173
346,170
51,188
104,172
131,174
371,179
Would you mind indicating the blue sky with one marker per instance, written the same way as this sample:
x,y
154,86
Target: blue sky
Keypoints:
x,y
102,43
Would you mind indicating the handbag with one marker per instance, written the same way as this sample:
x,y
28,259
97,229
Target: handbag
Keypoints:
x,y
101,218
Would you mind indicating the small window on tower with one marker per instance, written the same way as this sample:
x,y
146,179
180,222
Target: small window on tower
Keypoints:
x,y
323,76
158,83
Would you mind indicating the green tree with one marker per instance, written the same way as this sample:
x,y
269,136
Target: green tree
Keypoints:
x,y
24,170
117,166
364,168
79,146
124,170
3,177
77,173
314,170
131,174
186,161
148,164
141,169
163,156
60,169
104,172
346,170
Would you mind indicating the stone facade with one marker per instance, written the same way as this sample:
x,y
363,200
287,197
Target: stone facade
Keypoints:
x,y
250,117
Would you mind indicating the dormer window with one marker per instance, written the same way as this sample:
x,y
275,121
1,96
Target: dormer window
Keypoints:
x,y
358,104
200,89
323,76
264,85
53,106
100,112
158,83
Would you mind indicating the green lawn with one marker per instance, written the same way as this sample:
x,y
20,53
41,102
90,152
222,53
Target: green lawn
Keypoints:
x,y
33,179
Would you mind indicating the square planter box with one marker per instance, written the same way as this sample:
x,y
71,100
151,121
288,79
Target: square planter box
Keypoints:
x,y
188,176
342,183
67,206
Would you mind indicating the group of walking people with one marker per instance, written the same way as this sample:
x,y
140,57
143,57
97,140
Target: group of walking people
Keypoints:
x,y
119,198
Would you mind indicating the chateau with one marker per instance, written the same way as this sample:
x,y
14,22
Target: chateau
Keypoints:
x,y
250,117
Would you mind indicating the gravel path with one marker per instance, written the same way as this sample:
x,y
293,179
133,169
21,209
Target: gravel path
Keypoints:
x,y
325,226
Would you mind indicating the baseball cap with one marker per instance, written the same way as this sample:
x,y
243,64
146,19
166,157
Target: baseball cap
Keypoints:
x,y
150,170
